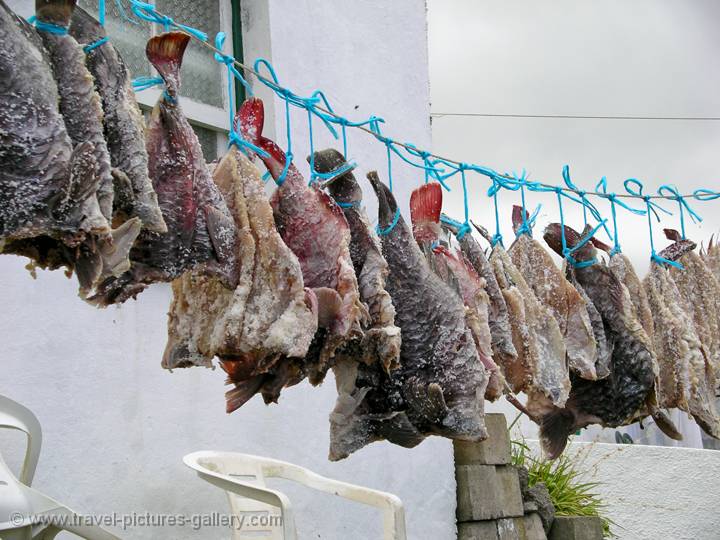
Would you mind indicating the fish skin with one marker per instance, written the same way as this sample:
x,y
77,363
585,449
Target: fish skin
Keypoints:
x,y
201,231
261,325
500,329
622,267
440,385
316,230
353,424
456,272
555,291
711,256
616,399
50,211
123,121
79,103
541,369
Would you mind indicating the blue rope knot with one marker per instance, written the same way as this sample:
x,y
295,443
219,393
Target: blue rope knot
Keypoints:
x,y
682,205
462,231
389,228
92,46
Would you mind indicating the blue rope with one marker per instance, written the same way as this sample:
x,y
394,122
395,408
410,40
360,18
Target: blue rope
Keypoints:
x,y
568,252
705,195
47,27
92,46
635,187
389,228
101,12
682,205
586,204
147,12
352,204
612,197
143,83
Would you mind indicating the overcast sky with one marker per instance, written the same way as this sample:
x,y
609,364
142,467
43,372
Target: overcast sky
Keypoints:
x,y
580,57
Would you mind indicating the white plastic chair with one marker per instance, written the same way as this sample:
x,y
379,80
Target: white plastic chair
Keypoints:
x,y
242,476
25,513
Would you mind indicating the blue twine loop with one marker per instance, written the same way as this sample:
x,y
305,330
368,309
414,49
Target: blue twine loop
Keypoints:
x,y
462,228
47,27
147,12
635,187
569,252
682,205
613,198
430,168
92,46
705,195
143,83
389,228
587,206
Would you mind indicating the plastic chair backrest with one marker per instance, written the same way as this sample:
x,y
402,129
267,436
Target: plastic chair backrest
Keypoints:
x,y
15,416
253,518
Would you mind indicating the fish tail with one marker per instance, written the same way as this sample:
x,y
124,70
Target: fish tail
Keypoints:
x,y
555,428
243,391
517,217
116,253
672,235
425,204
165,53
249,121
55,11
386,202
666,425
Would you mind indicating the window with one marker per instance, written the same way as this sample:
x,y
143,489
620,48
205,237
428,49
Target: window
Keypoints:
x,y
204,83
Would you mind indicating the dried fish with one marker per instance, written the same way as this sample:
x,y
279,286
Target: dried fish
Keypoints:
x,y
616,399
123,121
352,422
711,256
315,229
456,271
555,291
201,231
541,369
262,329
79,103
500,329
440,383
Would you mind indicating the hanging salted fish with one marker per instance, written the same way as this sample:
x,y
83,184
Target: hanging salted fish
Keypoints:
x,y
711,256
353,425
540,369
456,271
687,380
80,104
48,190
700,299
315,229
503,349
440,384
555,291
262,329
201,231
123,121
615,400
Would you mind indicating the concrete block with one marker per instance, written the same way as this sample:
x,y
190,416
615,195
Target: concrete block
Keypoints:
x,y
495,450
478,530
576,528
518,528
487,492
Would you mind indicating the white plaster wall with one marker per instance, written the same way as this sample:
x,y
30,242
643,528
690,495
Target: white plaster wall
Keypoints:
x,y
654,492
116,425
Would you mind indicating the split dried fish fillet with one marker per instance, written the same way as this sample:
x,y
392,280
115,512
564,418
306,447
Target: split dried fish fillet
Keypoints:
x,y
541,369
262,329
555,291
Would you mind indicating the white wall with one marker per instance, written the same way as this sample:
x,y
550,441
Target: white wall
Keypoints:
x,y
116,425
653,492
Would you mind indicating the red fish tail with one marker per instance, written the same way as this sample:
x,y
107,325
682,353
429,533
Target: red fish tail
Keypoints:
x,y
425,206
165,53
241,394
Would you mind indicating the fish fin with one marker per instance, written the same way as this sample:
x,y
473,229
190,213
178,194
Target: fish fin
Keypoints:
x,y
482,231
555,428
387,206
427,400
55,11
221,229
517,217
115,250
672,235
124,199
311,301
425,204
165,53
666,425
601,245
398,429
179,356
243,391
330,306
88,268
